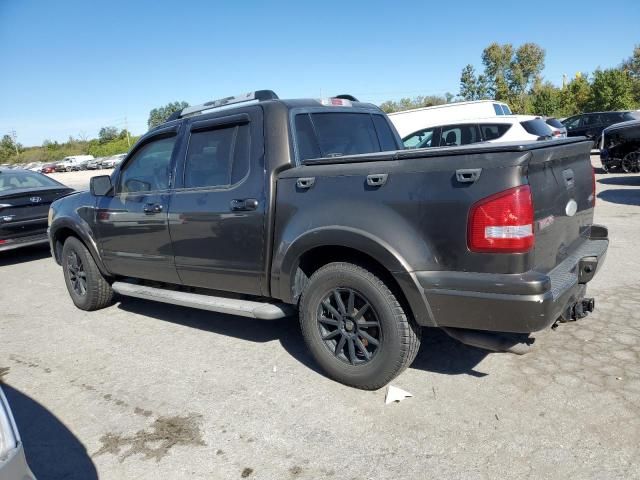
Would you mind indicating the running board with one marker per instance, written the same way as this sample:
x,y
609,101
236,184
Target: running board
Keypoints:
x,y
231,306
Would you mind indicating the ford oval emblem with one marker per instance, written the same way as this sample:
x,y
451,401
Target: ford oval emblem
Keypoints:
x,y
571,208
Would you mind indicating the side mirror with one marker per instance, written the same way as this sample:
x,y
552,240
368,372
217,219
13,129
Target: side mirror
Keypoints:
x,y
100,185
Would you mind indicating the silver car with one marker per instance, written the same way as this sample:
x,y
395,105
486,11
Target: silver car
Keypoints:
x,y
13,464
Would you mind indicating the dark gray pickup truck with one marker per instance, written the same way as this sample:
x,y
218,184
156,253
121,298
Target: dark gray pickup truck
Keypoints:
x,y
259,207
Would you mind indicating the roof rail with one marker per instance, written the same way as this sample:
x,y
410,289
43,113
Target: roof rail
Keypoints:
x,y
346,96
258,95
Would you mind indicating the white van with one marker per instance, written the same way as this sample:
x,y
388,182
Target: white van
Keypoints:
x,y
411,121
73,162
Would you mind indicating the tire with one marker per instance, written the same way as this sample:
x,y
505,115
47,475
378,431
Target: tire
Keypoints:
x,y
397,335
95,292
631,162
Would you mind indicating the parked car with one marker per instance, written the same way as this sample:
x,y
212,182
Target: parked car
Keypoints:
x,y
25,197
509,128
48,168
13,464
620,147
590,125
113,161
410,121
95,164
558,130
74,162
269,206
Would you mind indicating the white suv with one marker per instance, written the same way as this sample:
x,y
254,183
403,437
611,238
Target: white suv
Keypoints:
x,y
507,128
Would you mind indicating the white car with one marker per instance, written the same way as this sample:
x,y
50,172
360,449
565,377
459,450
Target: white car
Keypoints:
x,y
508,128
411,121
73,162
113,161
13,464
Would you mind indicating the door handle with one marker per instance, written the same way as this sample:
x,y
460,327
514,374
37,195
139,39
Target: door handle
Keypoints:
x,y
377,179
244,204
306,182
468,175
151,208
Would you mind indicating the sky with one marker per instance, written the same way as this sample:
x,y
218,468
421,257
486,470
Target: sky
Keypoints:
x,y
71,67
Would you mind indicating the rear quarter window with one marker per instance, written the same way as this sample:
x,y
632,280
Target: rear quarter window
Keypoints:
x,y
491,131
536,127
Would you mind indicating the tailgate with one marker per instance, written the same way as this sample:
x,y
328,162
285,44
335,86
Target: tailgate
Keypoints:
x,y
24,212
562,188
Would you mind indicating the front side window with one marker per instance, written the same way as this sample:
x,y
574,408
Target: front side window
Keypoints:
x,y
421,139
218,157
148,169
453,135
572,123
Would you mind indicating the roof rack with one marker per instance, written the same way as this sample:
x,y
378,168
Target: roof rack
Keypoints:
x,y
258,95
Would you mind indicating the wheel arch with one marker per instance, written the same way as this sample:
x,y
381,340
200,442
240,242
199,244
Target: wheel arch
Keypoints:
x,y
319,247
63,229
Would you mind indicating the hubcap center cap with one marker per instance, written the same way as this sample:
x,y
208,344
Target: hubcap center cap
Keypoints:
x,y
349,325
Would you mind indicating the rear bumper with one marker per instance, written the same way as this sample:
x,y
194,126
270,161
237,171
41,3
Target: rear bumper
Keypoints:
x,y
19,242
519,303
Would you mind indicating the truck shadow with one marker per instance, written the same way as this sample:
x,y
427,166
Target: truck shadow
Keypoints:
x,y
628,196
52,450
438,353
628,179
24,255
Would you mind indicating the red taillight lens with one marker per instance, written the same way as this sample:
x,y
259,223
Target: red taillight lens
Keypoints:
x,y
502,223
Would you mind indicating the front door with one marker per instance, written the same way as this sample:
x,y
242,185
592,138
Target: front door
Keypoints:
x,y
132,224
217,212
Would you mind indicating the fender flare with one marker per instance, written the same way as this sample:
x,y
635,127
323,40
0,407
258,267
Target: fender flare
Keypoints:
x,y
363,242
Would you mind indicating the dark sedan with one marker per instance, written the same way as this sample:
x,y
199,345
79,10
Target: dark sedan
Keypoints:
x,y
591,124
25,197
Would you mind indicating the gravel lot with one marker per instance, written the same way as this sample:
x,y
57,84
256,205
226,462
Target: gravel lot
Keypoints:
x,y
145,391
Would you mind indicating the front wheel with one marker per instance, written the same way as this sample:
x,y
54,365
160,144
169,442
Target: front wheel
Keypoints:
x,y
88,289
355,327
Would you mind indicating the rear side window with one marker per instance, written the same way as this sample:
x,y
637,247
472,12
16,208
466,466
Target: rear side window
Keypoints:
x,y
491,131
453,135
498,109
506,109
536,127
554,122
218,157
338,134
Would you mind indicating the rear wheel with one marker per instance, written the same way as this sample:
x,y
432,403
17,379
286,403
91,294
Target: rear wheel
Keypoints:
x,y
87,287
631,162
355,327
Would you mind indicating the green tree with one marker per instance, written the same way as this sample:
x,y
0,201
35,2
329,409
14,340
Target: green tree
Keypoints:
x,y
391,106
472,86
545,100
612,89
161,114
106,134
632,66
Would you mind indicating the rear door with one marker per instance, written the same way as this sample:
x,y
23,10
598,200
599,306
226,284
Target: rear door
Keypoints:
x,y
217,213
132,223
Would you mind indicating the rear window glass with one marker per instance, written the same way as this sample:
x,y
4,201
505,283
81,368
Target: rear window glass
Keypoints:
x,y
339,134
554,122
18,180
491,131
536,127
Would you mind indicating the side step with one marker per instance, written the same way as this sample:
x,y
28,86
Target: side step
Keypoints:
x,y
232,306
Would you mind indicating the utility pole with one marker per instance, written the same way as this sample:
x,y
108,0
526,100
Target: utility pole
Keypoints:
x,y
14,138
126,128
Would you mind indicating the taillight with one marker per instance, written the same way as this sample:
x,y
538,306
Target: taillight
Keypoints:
x,y
502,223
